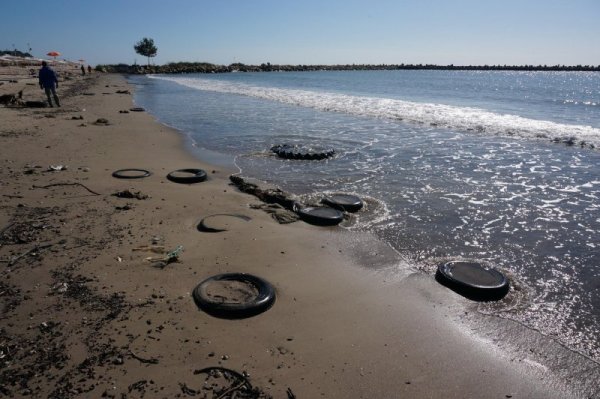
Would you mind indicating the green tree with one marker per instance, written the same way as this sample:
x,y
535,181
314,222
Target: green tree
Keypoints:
x,y
146,48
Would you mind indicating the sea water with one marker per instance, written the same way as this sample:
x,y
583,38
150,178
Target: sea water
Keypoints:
x,y
453,164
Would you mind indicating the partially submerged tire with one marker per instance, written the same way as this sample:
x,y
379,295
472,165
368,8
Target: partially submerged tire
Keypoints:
x,y
131,173
473,280
343,202
220,222
289,151
218,305
187,176
321,216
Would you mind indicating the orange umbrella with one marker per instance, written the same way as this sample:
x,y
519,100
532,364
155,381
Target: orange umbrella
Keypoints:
x,y
53,54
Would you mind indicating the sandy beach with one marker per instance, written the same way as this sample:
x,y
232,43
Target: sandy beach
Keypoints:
x,y
86,315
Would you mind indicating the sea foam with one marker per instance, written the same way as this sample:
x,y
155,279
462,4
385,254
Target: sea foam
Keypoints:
x,y
467,119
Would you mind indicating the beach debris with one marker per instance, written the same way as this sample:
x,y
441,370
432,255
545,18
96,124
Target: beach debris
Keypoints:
x,y
234,295
321,216
220,222
67,184
139,386
56,168
101,121
60,287
268,195
128,194
131,173
32,251
137,109
170,257
187,176
123,111
343,202
277,212
123,92
143,360
11,99
474,280
280,205
125,207
302,152
225,384
76,118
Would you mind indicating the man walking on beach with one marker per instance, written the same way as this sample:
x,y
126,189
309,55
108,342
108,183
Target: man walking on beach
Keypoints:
x,y
49,82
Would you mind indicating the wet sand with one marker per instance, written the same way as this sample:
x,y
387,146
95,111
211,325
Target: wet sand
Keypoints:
x,y
85,314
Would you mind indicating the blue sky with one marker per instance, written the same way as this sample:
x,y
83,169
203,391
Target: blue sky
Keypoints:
x,y
456,32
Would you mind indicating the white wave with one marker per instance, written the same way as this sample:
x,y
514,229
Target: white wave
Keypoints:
x,y
460,118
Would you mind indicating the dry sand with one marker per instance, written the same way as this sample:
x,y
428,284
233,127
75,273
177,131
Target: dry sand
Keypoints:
x,y
84,314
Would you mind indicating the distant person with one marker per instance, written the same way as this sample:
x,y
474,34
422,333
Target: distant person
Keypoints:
x,y
83,70
49,82
89,69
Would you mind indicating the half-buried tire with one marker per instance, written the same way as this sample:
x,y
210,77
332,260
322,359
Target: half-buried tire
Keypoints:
x,y
473,280
321,216
215,295
289,151
343,202
187,176
131,173
220,222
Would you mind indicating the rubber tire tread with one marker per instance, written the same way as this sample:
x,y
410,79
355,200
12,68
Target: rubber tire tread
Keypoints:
x,y
118,173
263,301
198,175
318,220
206,229
472,291
346,207
290,152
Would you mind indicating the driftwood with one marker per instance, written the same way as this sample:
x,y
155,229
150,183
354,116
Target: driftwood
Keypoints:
x,y
15,259
67,184
143,360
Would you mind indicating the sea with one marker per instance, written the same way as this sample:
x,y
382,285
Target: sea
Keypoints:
x,y
497,166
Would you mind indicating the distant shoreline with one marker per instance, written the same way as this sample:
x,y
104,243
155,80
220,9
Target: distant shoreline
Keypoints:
x,y
204,67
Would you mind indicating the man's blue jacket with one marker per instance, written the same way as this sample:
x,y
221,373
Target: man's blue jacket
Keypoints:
x,y
47,77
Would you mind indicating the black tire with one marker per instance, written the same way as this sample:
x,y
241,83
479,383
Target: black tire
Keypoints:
x,y
137,109
343,202
196,176
288,151
263,301
206,226
321,216
123,173
473,280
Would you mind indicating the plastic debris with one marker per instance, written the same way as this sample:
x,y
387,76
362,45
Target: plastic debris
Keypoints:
x,y
170,257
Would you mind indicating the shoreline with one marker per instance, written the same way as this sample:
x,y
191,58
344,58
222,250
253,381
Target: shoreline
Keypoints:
x,y
337,329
